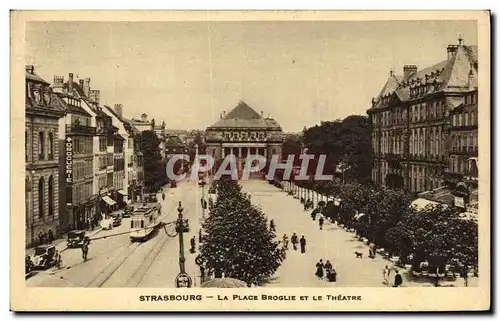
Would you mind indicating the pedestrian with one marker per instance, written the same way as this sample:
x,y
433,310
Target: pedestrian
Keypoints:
x,y
85,249
331,275
386,275
285,241
302,245
40,237
319,269
328,266
398,280
295,240
163,196
202,273
51,236
464,273
193,245
57,260
321,222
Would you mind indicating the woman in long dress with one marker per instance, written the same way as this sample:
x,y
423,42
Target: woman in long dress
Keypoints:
x,y
319,269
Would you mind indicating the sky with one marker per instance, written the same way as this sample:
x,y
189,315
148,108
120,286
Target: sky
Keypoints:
x,y
188,73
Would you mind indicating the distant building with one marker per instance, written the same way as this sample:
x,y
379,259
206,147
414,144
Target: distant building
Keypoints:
x,y
144,124
425,124
42,157
243,132
133,178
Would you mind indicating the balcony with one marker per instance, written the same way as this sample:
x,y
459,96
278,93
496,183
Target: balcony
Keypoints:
x,y
80,129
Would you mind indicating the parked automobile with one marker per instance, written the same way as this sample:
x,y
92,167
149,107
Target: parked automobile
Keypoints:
x,y
150,198
44,256
75,238
129,209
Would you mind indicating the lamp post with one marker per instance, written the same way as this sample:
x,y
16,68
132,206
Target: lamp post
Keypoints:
x,y
182,226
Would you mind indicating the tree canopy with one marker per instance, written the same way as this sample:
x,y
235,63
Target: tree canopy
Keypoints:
x,y
238,240
154,166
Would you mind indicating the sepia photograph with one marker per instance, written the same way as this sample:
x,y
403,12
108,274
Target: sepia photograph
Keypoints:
x,y
292,155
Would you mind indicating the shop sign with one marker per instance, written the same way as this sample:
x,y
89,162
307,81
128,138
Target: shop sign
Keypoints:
x,y
69,160
459,202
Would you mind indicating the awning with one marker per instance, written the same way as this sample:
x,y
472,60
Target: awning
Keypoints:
x,y
108,200
420,203
122,192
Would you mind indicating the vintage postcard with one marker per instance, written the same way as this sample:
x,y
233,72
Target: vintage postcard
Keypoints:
x,y
250,161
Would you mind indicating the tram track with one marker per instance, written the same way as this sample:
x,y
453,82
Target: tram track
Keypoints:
x,y
160,240
110,269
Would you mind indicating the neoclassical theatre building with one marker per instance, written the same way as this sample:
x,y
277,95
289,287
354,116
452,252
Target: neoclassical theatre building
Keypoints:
x,y
243,132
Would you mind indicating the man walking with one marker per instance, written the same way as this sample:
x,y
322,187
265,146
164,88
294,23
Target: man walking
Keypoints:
x,y
302,245
295,240
85,249
321,222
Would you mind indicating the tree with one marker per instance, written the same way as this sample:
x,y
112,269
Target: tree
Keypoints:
x,y
348,141
238,240
154,167
437,234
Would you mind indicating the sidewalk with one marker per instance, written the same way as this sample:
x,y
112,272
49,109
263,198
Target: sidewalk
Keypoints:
x,y
354,243
60,243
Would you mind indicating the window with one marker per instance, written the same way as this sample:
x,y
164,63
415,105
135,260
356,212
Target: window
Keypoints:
x,y
466,119
51,195
41,145
41,197
472,118
51,146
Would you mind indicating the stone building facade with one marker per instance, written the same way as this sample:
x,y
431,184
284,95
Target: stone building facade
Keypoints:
x,y
41,156
412,120
243,132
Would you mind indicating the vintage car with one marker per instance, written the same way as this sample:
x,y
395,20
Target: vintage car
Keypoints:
x,y
44,256
117,218
150,198
75,238
128,211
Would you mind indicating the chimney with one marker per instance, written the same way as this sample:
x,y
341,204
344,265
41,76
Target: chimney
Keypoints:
x,y
408,70
451,50
80,81
119,110
471,80
70,83
224,114
58,83
144,117
261,114
86,87
220,116
95,95
30,69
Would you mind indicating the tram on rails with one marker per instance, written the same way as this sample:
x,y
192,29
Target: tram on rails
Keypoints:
x,y
144,220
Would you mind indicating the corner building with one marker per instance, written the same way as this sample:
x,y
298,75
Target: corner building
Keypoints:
x,y
41,151
413,133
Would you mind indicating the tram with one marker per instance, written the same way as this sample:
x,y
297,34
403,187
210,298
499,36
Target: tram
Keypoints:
x,y
145,219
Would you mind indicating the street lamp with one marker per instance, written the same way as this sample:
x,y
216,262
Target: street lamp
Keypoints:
x,y
182,226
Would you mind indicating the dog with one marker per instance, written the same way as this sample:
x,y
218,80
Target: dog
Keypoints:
x,y
358,255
